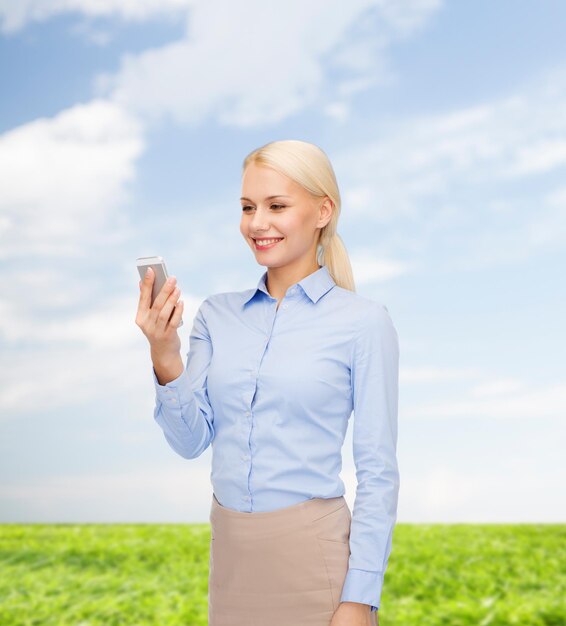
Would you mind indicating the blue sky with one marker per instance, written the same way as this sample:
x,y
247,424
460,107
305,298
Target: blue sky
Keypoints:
x,y
122,131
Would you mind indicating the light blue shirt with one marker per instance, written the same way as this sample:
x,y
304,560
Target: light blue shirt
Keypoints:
x,y
272,389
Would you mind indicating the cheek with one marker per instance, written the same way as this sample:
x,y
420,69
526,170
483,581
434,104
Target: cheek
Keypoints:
x,y
304,223
291,226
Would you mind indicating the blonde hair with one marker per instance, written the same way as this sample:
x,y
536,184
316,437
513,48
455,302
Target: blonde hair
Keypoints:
x,y
307,165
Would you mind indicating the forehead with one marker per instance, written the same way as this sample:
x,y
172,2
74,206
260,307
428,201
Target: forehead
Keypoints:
x,y
259,182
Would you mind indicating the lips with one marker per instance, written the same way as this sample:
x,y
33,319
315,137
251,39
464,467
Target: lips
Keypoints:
x,y
260,246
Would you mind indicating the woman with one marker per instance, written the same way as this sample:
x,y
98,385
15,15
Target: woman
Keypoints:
x,y
272,376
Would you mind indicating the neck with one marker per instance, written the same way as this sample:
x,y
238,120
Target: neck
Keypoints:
x,y
279,279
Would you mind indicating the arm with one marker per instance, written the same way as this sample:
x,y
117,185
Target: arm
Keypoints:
x,y
375,376
182,408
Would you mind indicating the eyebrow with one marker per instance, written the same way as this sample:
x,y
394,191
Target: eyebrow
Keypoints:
x,y
268,197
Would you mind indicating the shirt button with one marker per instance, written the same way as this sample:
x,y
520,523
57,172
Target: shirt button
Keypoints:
x,y
173,399
285,306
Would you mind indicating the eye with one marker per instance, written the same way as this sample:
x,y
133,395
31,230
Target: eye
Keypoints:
x,y
277,207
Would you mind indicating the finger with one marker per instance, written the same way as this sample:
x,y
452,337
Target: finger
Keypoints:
x,y
161,298
173,306
166,310
160,302
146,289
177,314
143,303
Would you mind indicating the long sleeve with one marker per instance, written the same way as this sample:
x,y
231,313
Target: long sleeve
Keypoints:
x,y
375,378
182,408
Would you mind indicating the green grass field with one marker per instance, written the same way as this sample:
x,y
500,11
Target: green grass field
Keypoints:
x,y
454,575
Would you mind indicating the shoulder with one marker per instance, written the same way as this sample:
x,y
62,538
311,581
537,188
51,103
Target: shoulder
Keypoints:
x,y
373,331
224,302
367,314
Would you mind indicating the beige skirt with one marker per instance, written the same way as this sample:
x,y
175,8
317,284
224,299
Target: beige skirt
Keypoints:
x,y
278,568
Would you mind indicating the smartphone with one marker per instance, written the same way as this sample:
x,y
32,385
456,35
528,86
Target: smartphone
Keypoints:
x,y
157,264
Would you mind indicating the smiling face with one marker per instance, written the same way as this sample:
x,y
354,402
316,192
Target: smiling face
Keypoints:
x,y
275,207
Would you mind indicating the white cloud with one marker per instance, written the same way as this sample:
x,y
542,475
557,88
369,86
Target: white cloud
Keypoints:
x,y
64,177
489,141
368,268
539,156
488,494
63,201
16,15
338,111
430,156
86,31
78,352
445,176
549,224
499,401
179,492
427,375
497,387
557,198
246,64
64,336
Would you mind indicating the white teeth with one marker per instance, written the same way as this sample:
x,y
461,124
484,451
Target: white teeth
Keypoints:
x,y
266,242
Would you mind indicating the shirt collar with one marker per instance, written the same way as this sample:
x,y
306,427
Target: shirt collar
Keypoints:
x,y
314,285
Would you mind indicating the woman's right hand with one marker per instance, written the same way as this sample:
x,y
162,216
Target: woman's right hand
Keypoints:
x,y
154,320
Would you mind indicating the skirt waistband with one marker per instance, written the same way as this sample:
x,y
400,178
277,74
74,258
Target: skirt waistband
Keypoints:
x,y
308,510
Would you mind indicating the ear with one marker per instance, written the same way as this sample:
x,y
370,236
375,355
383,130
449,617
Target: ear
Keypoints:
x,y
325,212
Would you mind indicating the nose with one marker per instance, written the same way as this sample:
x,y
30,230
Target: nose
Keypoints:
x,y
259,221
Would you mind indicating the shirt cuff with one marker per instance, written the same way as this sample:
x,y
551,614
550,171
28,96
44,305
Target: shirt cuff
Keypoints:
x,y
176,393
362,586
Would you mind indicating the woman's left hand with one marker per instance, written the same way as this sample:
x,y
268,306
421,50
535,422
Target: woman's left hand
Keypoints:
x,y
354,614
